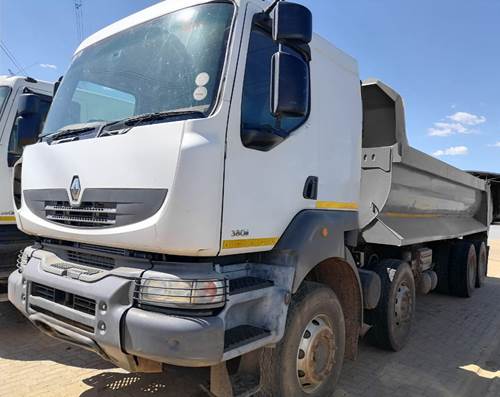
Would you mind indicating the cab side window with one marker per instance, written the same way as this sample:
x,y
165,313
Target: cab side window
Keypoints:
x,y
15,149
256,103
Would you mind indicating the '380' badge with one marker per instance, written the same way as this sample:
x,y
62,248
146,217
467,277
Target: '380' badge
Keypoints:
x,y
240,233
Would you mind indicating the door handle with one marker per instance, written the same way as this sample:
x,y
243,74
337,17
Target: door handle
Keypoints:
x,y
311,188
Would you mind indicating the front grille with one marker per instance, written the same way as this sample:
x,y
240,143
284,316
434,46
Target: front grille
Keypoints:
x,y
88,214
75,302
102,262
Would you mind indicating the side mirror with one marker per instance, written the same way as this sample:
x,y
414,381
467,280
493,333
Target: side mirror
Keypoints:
x,y
290,86
29,120
29,104
261,138
292,22
28,129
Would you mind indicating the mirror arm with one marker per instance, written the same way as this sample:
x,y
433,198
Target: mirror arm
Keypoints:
x,y
264,21
272,7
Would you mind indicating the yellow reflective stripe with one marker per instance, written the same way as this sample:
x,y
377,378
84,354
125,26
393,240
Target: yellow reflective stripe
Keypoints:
x,y
335,205
410,216
7,218
249,243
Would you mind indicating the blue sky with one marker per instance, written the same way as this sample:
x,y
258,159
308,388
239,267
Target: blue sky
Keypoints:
x,y
442,56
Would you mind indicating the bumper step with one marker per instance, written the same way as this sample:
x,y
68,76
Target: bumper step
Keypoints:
x,y
242,335
247,284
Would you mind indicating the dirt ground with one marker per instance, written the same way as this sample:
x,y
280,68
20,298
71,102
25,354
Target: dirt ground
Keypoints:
x,y
454,351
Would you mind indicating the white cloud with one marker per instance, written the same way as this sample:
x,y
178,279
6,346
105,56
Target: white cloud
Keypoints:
x,y
467,118
495,145
459,123
447,129
48,66
452,151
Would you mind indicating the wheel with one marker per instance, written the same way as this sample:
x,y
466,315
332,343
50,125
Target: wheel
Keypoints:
x,y
482,263
309,359
463,269
391,320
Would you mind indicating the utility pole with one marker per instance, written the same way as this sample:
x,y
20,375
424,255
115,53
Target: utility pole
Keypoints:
x,y
79,20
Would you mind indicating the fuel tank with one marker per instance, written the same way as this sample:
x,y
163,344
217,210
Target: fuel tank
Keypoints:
x,y
409,197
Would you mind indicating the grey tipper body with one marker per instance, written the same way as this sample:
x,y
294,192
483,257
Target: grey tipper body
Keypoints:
x,y
409,197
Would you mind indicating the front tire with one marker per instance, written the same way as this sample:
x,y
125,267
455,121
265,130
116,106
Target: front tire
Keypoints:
x,y
391,320
309,359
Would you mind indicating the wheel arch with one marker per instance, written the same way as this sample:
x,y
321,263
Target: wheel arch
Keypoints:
x,y
339,275
317,239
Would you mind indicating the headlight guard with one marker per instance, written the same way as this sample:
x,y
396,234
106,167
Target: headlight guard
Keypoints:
x,y
181,293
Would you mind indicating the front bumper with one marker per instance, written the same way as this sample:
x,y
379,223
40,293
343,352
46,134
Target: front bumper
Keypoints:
x,y
123,333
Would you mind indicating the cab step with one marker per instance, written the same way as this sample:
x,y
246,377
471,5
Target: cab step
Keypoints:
x,y
243,335
247,284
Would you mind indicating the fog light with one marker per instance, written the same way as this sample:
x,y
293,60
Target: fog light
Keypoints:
x,y
182,293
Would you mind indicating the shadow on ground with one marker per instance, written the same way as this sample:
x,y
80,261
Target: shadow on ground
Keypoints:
x,y
174,382
21,341
454,341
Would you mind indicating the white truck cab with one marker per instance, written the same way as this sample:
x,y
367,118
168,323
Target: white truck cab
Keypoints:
x,y
11,89
214,184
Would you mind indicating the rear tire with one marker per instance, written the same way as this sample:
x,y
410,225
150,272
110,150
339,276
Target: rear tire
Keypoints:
x,y
391,320
441,255
309,359
482,263
463,269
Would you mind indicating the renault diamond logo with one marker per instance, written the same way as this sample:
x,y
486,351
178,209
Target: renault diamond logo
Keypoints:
x,y
75,188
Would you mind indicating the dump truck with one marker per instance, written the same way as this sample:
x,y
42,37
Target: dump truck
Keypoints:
x,y
214,188
12,89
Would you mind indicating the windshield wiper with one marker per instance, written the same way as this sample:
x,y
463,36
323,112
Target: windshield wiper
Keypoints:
x,y
103,127
149,117
71,132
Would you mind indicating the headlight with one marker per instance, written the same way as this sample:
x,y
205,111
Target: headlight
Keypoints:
x,y
182,293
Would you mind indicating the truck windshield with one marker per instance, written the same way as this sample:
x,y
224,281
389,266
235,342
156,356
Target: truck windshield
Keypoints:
x,y
4,94
172,63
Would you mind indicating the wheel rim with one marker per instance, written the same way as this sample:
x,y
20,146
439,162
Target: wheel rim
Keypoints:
x,y
316,354
403,307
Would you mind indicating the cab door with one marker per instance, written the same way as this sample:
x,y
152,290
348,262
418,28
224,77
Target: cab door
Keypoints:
x,y
264,187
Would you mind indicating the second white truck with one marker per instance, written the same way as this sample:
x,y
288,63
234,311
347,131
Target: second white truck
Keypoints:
x,y
12,88
214,187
